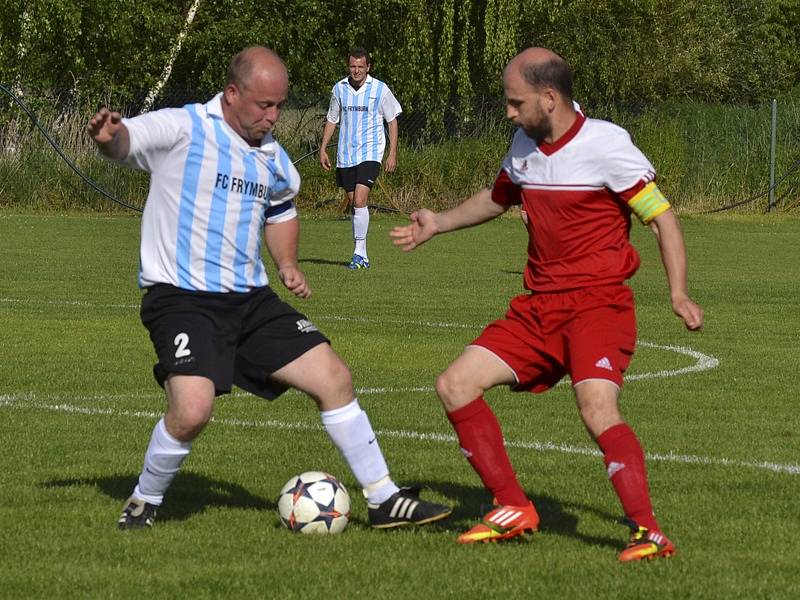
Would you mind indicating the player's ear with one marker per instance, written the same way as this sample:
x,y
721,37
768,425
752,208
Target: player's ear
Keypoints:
x,y
550,97
230,93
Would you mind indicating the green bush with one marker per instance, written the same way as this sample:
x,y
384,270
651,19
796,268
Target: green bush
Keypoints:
x,y
621,50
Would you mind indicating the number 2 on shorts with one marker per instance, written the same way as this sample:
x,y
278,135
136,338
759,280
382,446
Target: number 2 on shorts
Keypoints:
x,y
182,342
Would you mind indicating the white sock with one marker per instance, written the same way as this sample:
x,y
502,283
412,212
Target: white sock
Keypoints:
x,y
162,460
360,228
351,432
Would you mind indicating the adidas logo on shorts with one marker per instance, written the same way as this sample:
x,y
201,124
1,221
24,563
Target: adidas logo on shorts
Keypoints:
x,y
604,363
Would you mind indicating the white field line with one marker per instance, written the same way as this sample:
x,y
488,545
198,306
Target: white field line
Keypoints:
x,y
81,303
704,362
30,402
364,320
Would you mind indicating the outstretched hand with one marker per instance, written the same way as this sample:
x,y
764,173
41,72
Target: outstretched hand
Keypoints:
x,y
690,312
420,230
104,126
294,281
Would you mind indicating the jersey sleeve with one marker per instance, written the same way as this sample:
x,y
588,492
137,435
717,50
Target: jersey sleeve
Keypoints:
x,y
152,135
390,107
285,188
626,165
632,177
334,108
646,201
504,191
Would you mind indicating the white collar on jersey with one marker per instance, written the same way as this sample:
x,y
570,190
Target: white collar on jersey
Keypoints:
x,y
214,110
367,81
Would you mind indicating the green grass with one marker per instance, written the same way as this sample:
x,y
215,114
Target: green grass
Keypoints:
x,y
77,403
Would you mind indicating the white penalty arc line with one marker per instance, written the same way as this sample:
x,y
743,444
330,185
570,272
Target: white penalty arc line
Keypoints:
x,y
30,402
704,362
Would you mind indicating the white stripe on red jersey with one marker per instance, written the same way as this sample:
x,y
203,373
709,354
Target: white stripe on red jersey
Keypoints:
x,y
575,192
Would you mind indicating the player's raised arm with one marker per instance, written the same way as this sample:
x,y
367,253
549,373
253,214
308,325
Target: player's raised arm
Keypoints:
x,y
477,209
109,133
673,254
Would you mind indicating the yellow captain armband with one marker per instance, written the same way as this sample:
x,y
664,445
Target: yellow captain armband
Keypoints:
x,y
649,203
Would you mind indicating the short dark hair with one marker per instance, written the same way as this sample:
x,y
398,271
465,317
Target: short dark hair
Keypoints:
x,y
555,73
359,52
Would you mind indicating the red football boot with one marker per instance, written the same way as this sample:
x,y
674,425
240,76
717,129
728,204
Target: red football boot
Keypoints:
x,y
503,523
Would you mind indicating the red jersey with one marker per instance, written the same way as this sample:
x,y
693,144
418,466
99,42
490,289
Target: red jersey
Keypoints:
x,y
576,194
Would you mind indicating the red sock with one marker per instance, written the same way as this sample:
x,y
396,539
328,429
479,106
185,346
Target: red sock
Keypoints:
x,y
482,443
624,461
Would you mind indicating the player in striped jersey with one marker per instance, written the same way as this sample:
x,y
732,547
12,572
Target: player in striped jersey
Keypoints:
x,y
579,181
218,180
359,105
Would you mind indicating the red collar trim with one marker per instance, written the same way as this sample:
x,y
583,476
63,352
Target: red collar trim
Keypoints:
x,y
548,149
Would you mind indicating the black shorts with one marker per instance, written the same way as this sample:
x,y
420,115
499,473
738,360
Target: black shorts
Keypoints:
x,y
364,173
226,337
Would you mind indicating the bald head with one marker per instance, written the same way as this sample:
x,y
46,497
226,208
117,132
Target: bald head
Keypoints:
x,y
255,61
538,89
255,91
543,68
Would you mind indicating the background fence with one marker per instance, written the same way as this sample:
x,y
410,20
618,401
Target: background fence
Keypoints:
x,y
708,155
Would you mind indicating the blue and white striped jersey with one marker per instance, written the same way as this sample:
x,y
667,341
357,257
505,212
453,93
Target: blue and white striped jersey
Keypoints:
x,y
210,195
360,114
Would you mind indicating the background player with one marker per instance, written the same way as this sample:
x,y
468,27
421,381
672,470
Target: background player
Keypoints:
x,y
217,178
360,104
578,180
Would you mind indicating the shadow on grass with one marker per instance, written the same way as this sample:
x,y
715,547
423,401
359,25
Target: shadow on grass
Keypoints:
x,y
192,494
557,517
188,495
325,261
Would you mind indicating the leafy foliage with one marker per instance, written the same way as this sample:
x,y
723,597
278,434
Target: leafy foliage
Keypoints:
x,y
622,50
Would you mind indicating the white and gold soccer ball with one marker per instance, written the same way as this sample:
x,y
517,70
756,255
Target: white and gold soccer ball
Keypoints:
x,y
314,502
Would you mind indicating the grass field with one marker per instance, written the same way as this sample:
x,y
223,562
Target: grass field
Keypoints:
x,y
716,412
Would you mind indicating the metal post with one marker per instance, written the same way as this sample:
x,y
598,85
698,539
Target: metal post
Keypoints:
x,y
771,205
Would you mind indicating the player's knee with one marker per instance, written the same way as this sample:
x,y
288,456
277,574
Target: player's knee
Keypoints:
x,y
337,377
186,424
453,391
598,416
342,378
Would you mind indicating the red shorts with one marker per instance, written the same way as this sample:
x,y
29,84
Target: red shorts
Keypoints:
x,y
588,333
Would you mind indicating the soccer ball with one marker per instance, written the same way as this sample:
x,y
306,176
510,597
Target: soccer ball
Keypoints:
x,y
314,502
